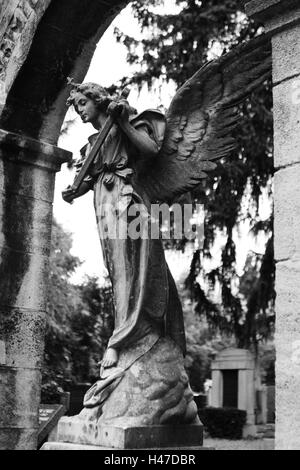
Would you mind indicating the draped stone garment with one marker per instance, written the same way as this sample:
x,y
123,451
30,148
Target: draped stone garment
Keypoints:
x,y
146,302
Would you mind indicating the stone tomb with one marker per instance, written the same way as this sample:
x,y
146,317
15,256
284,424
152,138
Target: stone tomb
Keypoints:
x,y
233,376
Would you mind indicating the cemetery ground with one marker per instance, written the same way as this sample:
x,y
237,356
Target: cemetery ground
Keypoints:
x,y
241,444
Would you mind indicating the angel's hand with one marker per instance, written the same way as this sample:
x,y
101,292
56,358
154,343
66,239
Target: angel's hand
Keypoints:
x,y
119,110
68,195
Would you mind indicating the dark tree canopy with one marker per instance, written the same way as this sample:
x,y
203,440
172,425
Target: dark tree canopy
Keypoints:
x,y
174,47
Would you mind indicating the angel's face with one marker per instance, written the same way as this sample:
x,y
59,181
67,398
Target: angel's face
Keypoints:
x,y
86,108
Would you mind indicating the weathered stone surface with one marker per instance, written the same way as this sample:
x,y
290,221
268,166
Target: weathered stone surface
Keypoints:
x,y
275,14
29,234
19,397
151,407
286,55
287,122
19,401
288,297
25,218
74,430
287,354
18,438
61,46
257,7
67,446
19,20
23,279
32,181
18,148
2,353
287,210
25,230
22,333
287,386
154,390
282,19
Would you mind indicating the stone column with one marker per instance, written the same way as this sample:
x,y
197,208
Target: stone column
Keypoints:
x,y
217,389
282,19
246,399
27,175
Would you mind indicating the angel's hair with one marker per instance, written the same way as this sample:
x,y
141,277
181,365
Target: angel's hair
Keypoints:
x,y
95,92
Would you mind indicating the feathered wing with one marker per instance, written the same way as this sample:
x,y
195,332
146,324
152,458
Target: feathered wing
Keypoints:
x,y
202,117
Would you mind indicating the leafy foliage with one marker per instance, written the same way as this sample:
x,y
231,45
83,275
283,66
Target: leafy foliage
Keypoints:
x,y
174,47
202,344
267,359
92,327
63,300
226,423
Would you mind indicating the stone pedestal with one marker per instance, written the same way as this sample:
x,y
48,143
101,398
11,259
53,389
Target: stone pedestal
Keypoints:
x,y
282,19
241,361
27,175
145,403
77,432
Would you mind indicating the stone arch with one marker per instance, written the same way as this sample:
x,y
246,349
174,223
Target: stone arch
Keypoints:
x,y
63,45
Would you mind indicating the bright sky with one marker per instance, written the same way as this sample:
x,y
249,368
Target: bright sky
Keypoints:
x,y
79,218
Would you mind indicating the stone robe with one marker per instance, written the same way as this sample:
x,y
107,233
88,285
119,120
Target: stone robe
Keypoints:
x,y
146,302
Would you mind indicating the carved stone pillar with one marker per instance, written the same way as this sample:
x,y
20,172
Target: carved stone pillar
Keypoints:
x,y
282,19
27,176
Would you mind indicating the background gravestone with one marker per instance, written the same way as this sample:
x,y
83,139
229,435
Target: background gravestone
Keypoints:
x,y
233,376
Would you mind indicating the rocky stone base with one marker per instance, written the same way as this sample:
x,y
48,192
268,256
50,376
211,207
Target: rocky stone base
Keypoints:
x,y
144,403
148,388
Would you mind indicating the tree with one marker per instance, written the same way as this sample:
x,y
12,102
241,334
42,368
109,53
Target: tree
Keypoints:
x,y
92,326
201,343
175,46
63,300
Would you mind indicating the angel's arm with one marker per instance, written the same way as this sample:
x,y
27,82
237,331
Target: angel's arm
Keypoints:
x,y
69,194
139,136
141,140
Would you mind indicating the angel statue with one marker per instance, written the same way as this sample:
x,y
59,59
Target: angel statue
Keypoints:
x,y
148,158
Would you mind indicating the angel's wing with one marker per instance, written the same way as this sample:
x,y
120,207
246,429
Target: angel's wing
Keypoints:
x,y
202,117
